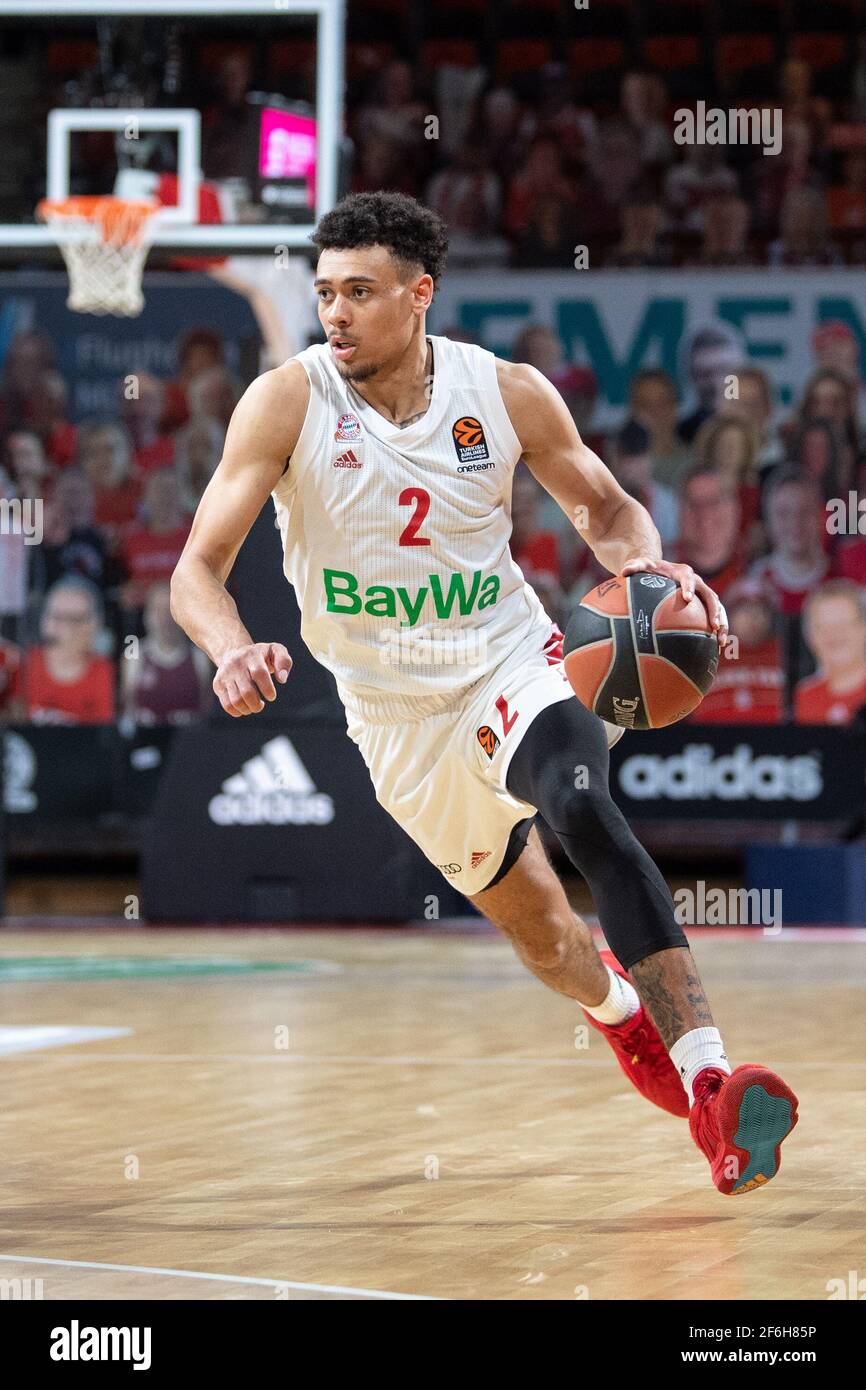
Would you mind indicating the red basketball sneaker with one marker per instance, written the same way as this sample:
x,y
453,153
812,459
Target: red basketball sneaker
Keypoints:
x,y
642,1054
739,1121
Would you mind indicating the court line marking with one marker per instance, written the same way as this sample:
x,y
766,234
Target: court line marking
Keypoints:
x,y
203,1057
219,1278
25,1037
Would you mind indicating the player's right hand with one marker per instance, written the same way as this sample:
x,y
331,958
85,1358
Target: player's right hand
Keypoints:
x,y
243,679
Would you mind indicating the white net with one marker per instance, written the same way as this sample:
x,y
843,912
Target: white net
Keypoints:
x,y
104,242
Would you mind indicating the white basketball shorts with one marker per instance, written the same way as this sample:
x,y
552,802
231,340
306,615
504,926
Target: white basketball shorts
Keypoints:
x,y
442,778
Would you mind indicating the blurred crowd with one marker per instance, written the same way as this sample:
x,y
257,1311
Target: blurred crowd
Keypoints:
x,y
525,172
769,506
526,163
117,496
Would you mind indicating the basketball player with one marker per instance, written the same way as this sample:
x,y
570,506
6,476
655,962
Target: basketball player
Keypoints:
x,y
389,454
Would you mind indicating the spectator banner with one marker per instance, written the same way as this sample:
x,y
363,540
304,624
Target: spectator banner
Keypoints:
x,y
81,774
96,355
53,774
616,322
612,321
277,776
748,772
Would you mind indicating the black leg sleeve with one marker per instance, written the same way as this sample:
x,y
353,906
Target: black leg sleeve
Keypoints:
x,y
562,766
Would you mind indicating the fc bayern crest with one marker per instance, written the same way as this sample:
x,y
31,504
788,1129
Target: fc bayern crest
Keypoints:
x,y
348,427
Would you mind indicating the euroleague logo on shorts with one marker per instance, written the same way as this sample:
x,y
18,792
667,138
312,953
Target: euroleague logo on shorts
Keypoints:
x,y
469,443
348,427
488,739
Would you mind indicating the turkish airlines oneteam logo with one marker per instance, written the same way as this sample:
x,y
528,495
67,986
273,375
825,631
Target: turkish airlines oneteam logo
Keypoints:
x,y
469,442
274,788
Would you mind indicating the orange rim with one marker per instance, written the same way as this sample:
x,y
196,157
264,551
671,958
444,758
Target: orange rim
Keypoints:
x,y
120,219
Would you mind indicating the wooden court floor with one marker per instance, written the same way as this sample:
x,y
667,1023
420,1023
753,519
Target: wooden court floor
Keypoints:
x,y
367,1114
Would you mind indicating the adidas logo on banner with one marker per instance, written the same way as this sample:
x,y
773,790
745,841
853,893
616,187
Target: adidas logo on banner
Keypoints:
x,y
273,788
347,460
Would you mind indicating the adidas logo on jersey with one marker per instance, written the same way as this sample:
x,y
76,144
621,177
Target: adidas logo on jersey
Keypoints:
x,y
478,857
347,460
274,788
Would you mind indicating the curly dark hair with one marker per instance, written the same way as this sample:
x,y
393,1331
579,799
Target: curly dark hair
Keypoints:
x,y
412,233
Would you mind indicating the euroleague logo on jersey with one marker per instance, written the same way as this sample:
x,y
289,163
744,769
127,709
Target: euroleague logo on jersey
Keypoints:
x,y
488,739
469,443
348,427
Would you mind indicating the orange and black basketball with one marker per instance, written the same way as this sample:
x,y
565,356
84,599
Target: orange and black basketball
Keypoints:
x,y
637,654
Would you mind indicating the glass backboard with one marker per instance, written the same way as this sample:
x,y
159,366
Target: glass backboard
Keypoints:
x,y
227,112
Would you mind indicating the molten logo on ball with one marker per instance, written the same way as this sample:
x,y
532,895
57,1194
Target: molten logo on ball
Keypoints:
x,y
625,711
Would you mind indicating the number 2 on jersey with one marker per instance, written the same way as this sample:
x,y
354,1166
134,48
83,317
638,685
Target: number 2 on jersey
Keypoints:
x,y
421,500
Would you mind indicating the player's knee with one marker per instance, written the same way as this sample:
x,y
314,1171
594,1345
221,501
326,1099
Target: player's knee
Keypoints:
x,y
548,951
578,803
562,765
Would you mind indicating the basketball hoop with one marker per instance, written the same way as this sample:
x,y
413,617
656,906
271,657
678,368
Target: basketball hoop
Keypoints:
x,y
104,242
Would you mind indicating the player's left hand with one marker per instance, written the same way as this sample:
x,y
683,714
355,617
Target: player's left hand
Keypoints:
x,y
691,584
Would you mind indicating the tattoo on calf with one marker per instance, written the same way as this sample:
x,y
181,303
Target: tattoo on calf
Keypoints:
x,y
675,1006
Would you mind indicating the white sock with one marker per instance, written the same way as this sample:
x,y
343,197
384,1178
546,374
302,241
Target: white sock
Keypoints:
x,y
700,1048
620,1004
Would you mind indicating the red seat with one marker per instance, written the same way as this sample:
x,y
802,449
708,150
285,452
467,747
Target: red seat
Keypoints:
x,y
673,51
69,55
522,55
595,55
459,53
820,51
739,52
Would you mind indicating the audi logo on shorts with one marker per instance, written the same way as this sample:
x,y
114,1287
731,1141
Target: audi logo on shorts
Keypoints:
x,y
449,868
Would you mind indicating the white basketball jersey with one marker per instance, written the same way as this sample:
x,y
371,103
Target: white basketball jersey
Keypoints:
x,y
396,540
